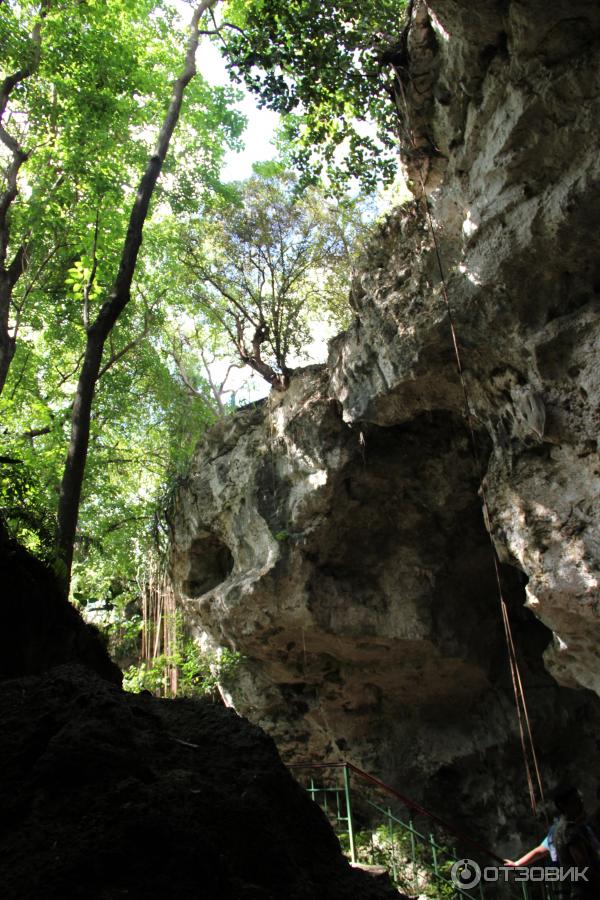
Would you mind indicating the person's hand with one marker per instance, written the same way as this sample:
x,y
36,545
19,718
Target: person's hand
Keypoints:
x,y
510,862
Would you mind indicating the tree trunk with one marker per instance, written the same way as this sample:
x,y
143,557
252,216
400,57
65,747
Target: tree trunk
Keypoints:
x,y
9,274
97,333
7,351
72,480
7,341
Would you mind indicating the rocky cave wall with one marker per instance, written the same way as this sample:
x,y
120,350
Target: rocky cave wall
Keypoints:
x,y
334,535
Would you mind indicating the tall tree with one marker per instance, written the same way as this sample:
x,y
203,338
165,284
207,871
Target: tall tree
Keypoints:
x,y
110,311
263,263
76,82
89,112
11,271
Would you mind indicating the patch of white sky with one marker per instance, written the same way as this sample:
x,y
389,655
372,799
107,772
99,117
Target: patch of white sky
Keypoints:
x,y
261,123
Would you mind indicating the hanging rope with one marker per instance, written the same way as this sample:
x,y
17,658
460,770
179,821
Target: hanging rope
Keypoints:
x,y
530,758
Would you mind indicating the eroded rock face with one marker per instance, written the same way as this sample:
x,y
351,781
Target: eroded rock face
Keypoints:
x,y
363,597
512,105
362,589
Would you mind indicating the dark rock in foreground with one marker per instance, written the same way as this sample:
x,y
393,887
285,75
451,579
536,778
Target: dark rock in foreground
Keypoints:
x,y
43,629
110,795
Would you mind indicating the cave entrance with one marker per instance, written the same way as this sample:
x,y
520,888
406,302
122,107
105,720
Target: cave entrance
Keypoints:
x,y
211,561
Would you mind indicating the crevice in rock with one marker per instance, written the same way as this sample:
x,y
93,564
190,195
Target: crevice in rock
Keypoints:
x,y
210,563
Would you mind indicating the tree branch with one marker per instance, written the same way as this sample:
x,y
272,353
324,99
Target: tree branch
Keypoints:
x,y
19,307
115,357
9,277
90,282
184,376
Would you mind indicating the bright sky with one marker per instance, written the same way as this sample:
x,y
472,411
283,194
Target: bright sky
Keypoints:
x,y
261,122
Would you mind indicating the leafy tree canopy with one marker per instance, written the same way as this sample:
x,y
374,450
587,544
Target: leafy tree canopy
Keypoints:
x,y
266,261
78,124
83,120
324,67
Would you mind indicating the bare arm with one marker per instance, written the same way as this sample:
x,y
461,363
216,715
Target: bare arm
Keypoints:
x,y
532,856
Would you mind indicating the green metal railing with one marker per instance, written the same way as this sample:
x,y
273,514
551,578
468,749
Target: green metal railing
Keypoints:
x,y
417,859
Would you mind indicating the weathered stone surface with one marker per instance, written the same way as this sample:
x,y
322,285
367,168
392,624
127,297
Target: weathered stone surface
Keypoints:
x,y
362,590
362,595
518,215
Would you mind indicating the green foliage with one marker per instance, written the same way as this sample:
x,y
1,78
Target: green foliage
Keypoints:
x,y
146,677
269,259
124,634
89,116
117,616
198,674
144,431
24,507
393,849
323,66
201,673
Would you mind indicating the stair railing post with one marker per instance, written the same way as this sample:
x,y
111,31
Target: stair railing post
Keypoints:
x,y
338,811
433,846
349,814
392,848
413,849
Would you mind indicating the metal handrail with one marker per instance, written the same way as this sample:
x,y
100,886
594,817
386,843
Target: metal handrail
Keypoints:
x,y
406,801
434,866
408,826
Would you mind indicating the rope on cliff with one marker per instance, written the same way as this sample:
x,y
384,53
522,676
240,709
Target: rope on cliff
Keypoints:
x,y
530,757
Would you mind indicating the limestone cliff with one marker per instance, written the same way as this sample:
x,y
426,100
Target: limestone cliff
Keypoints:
x,y
334,535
